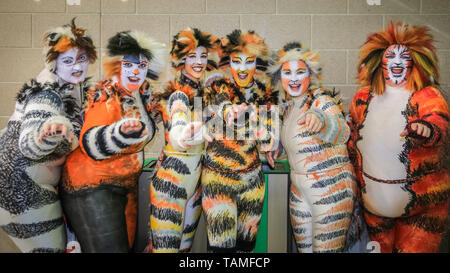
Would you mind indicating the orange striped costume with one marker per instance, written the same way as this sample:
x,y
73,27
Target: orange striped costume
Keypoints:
x,y
404,189
94,166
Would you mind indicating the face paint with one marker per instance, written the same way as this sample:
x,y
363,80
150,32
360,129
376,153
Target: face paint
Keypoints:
x,y
133,72
243,68
295,77
196,61
397,63
72,65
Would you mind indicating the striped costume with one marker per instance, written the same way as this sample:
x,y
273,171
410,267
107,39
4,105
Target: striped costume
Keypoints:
x,y
106,161
99,184
232,179
175,187
30,167
417,208
178,172
322,192
404,189
322,180
30,210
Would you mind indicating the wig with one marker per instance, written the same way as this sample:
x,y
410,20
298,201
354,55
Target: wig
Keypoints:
x,y
134,43
292,52
63,38
418,39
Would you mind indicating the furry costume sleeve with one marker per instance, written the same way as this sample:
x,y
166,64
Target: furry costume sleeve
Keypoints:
x,y
179,114
101,141
433,112
335,130
43,108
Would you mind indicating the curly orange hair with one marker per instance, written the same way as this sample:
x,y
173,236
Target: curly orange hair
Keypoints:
x,y
425,70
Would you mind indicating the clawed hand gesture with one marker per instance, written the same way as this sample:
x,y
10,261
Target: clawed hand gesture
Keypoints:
x,y
312,122
132,126
56,129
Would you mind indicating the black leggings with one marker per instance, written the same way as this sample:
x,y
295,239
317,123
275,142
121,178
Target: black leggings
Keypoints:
x,y
97,217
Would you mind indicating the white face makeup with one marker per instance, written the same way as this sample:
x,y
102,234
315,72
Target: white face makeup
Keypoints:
x,y
200,57
241,63
397,62
133,72
72,65
243,68
196,62
295,77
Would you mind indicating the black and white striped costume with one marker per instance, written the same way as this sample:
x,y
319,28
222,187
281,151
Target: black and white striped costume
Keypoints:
x,y
30,210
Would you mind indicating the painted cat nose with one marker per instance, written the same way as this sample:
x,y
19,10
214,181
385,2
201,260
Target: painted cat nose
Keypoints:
x,y
136,71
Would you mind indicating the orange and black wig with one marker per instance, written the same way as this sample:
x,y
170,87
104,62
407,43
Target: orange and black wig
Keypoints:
x,y
63,38
189,39
247,42
418,39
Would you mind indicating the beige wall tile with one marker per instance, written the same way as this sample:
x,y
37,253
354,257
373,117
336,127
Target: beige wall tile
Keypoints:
x,y
280,29
3,122
436,6
334,66
352,69
21,26
45,22
86,6
439,25
157,26
241,7
218,25
8,92
312,6
343,31
22,64
32,6
386,7
444,65
172,6
118,6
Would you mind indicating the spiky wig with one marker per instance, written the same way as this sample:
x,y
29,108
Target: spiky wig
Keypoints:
x,y
63,38
418,39
247,42
134,43
291,52
188,40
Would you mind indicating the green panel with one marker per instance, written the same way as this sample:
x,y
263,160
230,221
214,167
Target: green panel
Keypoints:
x,y
261,238
149,164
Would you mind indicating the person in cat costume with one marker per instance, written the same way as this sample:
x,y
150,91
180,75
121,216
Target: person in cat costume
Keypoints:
x,y
99,183
241,124
42,131
314,135
399,122
175,186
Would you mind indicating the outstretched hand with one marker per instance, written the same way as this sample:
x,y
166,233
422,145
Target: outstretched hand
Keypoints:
x,y
417,128
55,129
132,126
312,122
236,112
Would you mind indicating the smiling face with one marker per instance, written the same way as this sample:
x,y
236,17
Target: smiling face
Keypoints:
x,y
72,65
196,61
133,72
397,63
243,68
295,77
